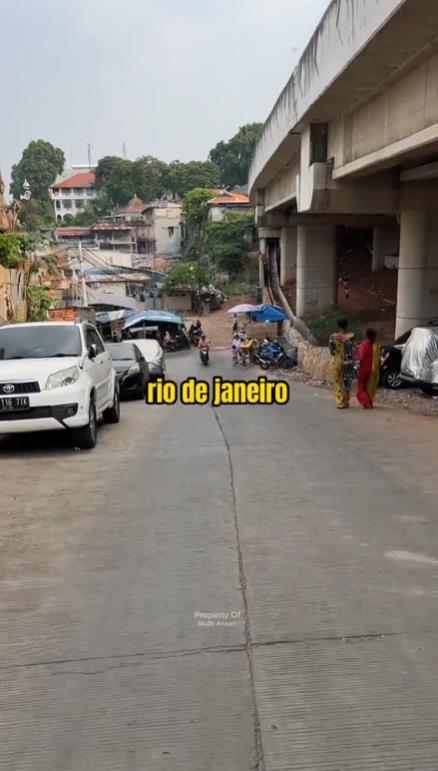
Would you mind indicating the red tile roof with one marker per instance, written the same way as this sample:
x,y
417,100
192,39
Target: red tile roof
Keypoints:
x,y
84,179
227,198
73,231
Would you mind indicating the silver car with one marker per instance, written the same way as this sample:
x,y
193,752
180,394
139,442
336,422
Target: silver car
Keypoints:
x,y
154,355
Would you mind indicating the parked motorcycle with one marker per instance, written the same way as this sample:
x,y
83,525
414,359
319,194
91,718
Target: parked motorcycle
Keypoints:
x,y
274,355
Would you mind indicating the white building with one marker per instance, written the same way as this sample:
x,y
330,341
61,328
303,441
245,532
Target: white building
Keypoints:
x,y
71,194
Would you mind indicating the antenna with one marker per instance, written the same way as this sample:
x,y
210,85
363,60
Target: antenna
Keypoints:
x,y
124,150
89,155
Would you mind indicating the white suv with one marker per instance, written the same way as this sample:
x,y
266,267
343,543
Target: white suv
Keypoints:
x,y
56,375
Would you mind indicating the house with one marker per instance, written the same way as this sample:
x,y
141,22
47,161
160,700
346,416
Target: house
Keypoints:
x,y
138,228
155,227
73,234
228,201
71,194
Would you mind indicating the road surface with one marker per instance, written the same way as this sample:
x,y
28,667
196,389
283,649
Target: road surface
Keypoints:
x,y
313,535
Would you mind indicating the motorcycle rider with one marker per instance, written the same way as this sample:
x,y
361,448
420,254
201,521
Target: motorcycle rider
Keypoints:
x,y
204,345
195,332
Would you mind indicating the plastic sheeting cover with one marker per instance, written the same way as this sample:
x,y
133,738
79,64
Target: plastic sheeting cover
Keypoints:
x,y
420,357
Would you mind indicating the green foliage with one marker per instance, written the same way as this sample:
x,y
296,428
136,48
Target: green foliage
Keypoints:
x,y
36,215
38,300
40,164
181,178
234,157
150,178
195,210
187,277
229,241
10,254
322,325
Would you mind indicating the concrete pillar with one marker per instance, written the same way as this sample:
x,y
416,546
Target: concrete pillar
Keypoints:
x,y
262,259
288,260
317,276
417,296
385,244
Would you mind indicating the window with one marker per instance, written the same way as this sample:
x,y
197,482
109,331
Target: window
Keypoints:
x,y
67,204
58,204
39,342
78,191
92,338
171,232
79,204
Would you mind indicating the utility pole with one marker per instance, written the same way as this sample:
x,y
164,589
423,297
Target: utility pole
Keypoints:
x,y
154,284
82,274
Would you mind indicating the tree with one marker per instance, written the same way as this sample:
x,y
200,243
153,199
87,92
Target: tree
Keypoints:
x,y
194,209
228,242
149,176
40,164
105,169
234,157
119,184
19,251
183,177
35,215
195,216
187,277
10,254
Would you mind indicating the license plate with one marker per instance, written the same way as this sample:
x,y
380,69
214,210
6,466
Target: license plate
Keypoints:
x,y
14,403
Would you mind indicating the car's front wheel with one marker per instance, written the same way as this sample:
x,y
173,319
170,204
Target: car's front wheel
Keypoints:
x,y
86,437
112,414
392,380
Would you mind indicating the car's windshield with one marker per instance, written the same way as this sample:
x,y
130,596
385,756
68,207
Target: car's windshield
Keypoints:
x,y
121,352
39,342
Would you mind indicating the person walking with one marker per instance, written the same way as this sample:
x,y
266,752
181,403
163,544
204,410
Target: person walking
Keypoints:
x,y
368,356
341,347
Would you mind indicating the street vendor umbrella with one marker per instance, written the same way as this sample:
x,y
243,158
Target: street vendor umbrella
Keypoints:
x,y
151,316
243,309
268,314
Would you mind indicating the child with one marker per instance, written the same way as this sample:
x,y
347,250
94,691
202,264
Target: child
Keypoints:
x,y
235,347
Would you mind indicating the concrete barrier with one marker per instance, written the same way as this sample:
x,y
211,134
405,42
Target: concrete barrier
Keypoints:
x,y
314,360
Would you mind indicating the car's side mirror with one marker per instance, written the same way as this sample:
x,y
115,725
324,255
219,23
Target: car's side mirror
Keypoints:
x,y
92,351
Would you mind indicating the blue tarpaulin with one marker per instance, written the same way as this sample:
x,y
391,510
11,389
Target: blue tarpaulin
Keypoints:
x,y
269,314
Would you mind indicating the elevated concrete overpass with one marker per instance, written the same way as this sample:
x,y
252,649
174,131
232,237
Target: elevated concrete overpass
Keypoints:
x,y
353,140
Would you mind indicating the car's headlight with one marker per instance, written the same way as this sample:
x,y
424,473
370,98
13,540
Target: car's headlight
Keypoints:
x,y
64,377
134,370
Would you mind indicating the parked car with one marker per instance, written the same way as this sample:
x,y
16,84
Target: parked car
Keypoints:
x,y
390,363
56,375
131,368
154,355
419,365
391,360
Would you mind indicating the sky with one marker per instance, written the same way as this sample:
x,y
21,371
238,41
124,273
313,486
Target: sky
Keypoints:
x,y
168,78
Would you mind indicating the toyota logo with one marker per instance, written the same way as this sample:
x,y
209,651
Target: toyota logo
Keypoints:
x,y
8,389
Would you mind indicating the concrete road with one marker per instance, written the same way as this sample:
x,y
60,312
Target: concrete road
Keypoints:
x,y
313,533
